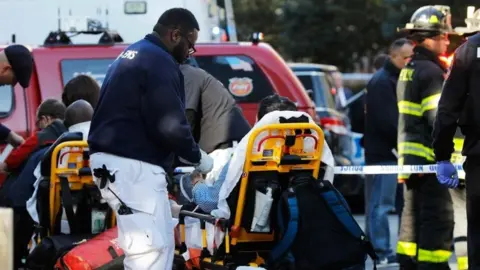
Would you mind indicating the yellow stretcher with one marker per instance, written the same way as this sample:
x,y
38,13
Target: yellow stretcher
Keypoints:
x,y
280,153
65,171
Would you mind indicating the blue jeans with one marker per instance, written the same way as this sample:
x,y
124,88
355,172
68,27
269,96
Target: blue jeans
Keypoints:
x,y
380,191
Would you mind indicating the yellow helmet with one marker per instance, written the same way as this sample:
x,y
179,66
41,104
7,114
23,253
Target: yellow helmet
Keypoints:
x,y
430,21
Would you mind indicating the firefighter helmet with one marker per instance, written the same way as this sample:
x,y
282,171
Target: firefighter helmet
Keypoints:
x,y
430,21
472,24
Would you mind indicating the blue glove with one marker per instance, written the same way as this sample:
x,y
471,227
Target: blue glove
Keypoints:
x,y
447,174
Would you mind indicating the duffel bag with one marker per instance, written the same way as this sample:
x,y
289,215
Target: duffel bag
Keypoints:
x,y
51,248
99,253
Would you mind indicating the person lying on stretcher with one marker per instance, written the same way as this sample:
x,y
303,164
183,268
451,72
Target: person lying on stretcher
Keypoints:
x,y
212,198
206,196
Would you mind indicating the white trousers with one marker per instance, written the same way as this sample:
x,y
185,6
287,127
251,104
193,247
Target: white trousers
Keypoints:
x,y
146,235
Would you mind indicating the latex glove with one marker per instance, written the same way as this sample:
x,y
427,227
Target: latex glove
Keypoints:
x,y
206,163
447,174
175,208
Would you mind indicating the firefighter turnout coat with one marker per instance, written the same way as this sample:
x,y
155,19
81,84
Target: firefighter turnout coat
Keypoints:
x,y
418,92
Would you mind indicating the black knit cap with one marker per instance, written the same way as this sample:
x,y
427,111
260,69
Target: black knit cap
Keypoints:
x,y
21,61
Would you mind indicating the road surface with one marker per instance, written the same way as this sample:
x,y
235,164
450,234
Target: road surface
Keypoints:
x,y
393,219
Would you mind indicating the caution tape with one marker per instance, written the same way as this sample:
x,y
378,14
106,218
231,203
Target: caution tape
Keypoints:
x,y
372,169
390,169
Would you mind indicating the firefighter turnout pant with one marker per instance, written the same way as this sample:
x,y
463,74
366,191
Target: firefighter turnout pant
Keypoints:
x,y
460,231
472,178
426,229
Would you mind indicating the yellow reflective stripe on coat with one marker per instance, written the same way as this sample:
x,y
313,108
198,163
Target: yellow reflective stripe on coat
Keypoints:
x,y
411,108
416,149
433,256
402,176
462,263
430,103
407,248
457,157
458,144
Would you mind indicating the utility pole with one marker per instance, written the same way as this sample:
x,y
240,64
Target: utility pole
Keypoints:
x,y
231,27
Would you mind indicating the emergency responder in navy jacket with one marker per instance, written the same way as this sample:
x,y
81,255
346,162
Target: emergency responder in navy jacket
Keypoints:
x,y
139,125
427,218
381,118
459,106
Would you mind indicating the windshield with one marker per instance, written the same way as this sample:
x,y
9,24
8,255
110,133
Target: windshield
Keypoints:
x,y
6,100
240,75
95,68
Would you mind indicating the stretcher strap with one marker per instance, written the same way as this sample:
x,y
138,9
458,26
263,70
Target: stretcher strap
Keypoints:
x,y
67,201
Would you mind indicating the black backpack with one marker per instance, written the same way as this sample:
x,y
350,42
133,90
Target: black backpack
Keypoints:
x,y
317,229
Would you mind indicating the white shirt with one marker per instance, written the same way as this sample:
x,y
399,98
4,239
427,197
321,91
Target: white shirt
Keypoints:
x,y
84,128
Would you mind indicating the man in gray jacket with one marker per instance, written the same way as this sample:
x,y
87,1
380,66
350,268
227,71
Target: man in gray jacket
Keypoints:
x,y
216,120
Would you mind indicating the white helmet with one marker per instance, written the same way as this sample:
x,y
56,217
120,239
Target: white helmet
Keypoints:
x,y
472,24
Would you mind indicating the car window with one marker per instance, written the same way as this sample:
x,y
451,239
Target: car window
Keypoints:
x,y
329,99
96,68
6,100
240,75
320,86
307,83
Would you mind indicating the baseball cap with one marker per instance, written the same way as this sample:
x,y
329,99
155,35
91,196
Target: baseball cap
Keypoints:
x,y
21,61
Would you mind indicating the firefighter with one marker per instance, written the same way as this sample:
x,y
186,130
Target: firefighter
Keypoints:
x,y
426,229
458,107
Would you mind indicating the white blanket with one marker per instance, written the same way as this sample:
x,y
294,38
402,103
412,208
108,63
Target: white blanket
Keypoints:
x,y
235,170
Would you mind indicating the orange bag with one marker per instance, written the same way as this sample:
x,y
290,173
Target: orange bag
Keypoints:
x,y
101,251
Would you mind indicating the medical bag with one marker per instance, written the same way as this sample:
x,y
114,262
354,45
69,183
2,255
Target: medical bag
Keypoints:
x,y
317,229
100,253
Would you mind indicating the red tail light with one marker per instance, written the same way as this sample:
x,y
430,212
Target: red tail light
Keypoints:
x,y
334,125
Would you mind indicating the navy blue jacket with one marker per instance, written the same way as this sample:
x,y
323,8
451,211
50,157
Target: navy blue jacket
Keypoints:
x,y
22,188
381,119
141,110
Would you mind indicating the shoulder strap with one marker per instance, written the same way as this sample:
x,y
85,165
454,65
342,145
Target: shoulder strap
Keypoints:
x,y
339,208
289,233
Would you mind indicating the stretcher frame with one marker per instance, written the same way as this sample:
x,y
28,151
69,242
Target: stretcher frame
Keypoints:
x,y
234,233
75,179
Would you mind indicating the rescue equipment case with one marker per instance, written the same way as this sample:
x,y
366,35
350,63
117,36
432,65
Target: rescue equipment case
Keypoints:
x,y
100,253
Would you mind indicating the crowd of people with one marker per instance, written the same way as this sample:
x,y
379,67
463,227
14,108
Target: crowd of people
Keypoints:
x,y
180,111
417,106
